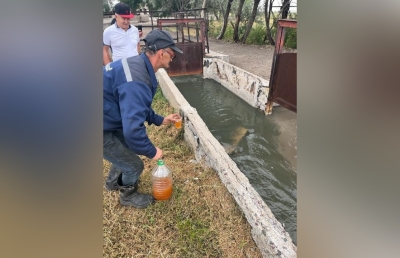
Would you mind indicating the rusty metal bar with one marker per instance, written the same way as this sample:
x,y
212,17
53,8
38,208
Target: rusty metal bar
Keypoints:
x,y
182,32
197,32
188,30
180,20
203,36
288,23
177,32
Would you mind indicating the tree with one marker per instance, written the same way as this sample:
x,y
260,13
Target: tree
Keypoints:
x,y
107,6
251,21
172,5
267,13
216,7
285,8
181,5
237,21
203,6
226,16
134,4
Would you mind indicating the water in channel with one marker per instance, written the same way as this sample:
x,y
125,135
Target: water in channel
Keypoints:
x,y
263,147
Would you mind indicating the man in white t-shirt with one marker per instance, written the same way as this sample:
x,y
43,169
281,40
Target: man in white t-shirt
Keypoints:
x,y
121,37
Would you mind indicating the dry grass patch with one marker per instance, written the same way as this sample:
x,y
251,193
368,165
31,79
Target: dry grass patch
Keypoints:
x,y
201,219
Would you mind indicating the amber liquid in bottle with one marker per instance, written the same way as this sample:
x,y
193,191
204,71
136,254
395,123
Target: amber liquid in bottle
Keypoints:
x,y
161,181
162,188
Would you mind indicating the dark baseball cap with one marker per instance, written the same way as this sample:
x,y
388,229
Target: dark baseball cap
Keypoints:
x,y
159,39
123,10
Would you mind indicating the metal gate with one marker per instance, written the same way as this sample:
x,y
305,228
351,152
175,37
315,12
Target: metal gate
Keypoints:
x,y
283,79
188,63
193,46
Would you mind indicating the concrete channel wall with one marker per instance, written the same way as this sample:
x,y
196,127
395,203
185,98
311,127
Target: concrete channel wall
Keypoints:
x,y
250,87
267,232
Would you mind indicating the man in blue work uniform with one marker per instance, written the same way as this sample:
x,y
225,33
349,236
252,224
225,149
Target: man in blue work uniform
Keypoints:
x,y
129,85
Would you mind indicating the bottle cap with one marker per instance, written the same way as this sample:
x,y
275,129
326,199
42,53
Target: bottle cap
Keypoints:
x,y
160,162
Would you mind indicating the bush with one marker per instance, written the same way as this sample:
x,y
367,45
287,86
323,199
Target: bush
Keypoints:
x,y
214,28
228,36
291,34
256,35
291,38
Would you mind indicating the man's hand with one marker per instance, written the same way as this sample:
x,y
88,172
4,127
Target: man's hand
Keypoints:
x,y
106,55
172,118
158,154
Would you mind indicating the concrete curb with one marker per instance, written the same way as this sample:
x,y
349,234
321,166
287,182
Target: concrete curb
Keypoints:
x,y
249,87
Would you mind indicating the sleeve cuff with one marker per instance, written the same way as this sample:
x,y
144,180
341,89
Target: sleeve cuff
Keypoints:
x,y
152,153
158,120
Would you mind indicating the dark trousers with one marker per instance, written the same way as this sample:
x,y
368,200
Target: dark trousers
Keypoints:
x,y
116,151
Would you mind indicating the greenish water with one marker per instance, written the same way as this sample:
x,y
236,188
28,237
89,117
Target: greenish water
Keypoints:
x,y
267,155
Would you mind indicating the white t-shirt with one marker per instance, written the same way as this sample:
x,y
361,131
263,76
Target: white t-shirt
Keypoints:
x,y
123,43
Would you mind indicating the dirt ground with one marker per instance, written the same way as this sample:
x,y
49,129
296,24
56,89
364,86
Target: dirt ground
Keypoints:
x,y
252,58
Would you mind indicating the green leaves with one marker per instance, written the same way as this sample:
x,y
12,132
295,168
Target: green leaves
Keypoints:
x,y
135,4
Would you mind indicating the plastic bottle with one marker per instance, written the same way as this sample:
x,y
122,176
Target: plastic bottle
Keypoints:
x,y
161,181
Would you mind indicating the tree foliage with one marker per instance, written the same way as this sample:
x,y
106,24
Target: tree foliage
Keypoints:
x,y
245,7
107,6
269,15
173,5
217,8
134,4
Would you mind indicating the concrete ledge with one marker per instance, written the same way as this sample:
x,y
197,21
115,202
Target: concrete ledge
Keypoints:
x,y
267,232
249,87
213,54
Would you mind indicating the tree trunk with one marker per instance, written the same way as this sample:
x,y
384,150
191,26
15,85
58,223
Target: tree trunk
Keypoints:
x,y
251,21
202,11
216,14
237,22
267,13
226,16
285,8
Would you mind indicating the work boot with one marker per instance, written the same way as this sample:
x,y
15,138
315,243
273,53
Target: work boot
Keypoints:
x,y
111,182
129,196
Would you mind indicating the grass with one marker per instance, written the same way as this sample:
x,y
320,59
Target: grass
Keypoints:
x,y
201,219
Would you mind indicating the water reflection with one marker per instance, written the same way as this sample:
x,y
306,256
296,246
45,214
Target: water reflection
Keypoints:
x,y
263,147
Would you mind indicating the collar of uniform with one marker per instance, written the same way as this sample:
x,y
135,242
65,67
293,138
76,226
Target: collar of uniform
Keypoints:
x,y
116,25
149,69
